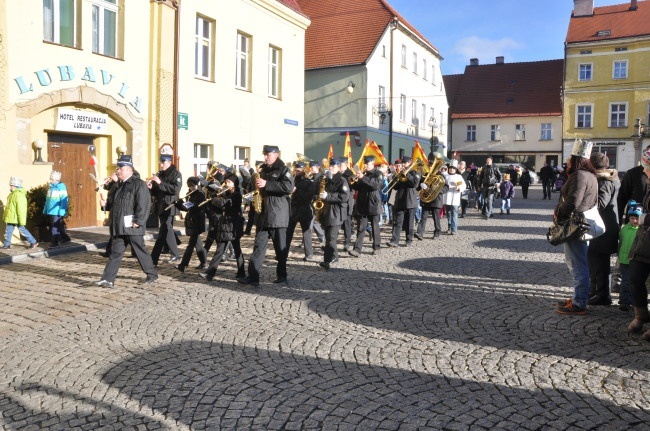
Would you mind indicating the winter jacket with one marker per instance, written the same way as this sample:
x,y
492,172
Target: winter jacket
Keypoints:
x,y
625,239
195,217
456,184
579,193
489,177
231,223
338,194
406,195
16,207
608,186
368,197
507,190
167,191
302,197
348,207
129,198
56,201
276,196
525,179
632,187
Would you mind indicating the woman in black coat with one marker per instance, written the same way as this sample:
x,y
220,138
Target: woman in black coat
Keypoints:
x,y
602,247
230,227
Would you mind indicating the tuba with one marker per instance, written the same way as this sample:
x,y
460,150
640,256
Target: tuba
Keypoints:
x,y
434,181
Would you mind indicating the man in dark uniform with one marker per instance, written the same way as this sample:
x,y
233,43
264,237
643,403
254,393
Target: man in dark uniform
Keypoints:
x,y
432,208
165,187
348,207
129,203
633,187
406,202
275,185
301,209
316,173
368,206
489,181
331,217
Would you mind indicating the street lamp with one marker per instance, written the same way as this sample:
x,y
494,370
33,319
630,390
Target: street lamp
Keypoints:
x,y
434,139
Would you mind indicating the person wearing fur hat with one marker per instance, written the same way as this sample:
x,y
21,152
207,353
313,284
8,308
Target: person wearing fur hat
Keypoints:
x,y
56,207
194,224
230,227
15,214
579,193
456,184
602,247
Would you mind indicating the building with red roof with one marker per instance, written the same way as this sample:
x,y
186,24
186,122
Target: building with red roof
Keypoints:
x,y
510,111
606,88
371,73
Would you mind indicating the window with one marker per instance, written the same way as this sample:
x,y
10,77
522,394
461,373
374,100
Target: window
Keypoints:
x,y
618,115
275,57
203,48
495,132
585,72
383,51
243,66
433,75
201,158
105,27
620,69
241,154
402,107
59,17
424,68
415,63
471,133
583,116
423,123
520,132
414,111
403,55
546,132
382,98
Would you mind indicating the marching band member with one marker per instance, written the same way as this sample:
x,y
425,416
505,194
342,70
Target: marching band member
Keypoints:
x,y
165,187
334,195
229,228
432,208
194,224
301,209
275,185
347,173
316,173
406,202
368,207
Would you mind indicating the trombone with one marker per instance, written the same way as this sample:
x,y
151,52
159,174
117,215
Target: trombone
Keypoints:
x,y
400,177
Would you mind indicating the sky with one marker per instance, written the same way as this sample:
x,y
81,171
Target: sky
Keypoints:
x,y
519,30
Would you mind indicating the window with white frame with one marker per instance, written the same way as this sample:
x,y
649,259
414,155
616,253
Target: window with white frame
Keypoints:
x,y
241,154
203,48
105,27
383,51
546,132
382,97
471,133
423,122
414,111
275,60
433,75
441,124
620,69
585,72
520,132
495,132
202,154
403,55
618,115
402,107
242,79
415,63
583,116
424,69
59,18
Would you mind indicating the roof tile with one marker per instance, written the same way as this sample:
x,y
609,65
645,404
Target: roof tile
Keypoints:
x,y
618,19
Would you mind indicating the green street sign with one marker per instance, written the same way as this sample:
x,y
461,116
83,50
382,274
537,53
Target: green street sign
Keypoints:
x,y
183,121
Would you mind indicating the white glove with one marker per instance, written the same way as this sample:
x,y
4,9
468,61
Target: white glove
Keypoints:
x,y
424,186
323,195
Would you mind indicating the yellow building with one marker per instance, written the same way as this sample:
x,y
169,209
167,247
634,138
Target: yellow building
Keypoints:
x,y
607,81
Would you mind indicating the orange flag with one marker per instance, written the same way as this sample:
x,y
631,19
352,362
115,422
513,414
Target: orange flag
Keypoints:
x,y
418,153
372,149
330,154
347,149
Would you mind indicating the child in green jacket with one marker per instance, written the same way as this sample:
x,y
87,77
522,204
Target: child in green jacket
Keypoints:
x,y
16,213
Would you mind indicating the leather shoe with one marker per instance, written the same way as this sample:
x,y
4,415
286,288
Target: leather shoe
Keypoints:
x,y
33,246
181,268
599,300
280,280
324,265
418,236
150,280
336,259
103,283
202,266
248,280
392,244
174,260
205,275
354,253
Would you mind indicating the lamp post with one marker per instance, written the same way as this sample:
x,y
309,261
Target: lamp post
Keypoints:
x,y
434,139
641,132
38,146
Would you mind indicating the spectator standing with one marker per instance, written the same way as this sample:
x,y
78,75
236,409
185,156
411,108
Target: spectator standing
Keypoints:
x,y
56,208
625,240
547,177
524,182
507,190
15,213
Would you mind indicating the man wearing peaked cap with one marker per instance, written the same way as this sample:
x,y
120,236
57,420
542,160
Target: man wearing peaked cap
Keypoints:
x,y
270,149
368,205
406,202
165,187
332,193
15,213
348,206
301,209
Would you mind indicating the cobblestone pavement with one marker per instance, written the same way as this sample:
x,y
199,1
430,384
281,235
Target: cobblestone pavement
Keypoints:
x,y
454,333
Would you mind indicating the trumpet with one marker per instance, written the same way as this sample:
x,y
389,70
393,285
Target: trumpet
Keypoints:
x,y
150,179
171,205
354,179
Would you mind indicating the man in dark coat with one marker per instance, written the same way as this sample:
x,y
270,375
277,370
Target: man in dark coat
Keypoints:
x,y
275,185
406,202
333,213
348,207
316,174
547,177
632,188
368,206
165,187
489,180
432,208
301,210
129,203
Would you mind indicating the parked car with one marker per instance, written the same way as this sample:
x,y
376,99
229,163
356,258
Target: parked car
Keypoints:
x,y
503,167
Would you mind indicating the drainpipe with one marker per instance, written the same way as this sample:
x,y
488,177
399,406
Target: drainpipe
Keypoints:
x,y
393,27
177,36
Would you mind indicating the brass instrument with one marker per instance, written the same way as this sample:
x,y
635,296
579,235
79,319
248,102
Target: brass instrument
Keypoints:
x,y
354,179
318,204
221,192
173,204
212,173
255,196
401,176
434,181
150,179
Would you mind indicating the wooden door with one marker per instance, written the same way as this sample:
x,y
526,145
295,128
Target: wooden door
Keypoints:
x,y
70,156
